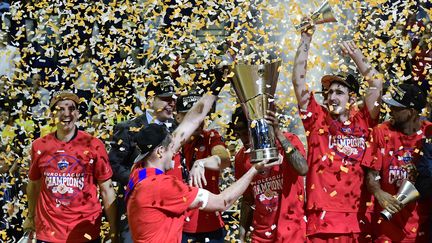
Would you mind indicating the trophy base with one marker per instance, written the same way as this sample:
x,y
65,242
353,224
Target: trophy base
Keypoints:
x,y
258,155
386,215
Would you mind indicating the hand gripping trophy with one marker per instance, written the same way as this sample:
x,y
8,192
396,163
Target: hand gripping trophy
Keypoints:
x,y
406,194
324,14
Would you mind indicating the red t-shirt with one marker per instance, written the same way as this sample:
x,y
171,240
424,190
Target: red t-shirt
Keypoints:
x,y
279,198
68,207
395,155
156,208
198,221
334,182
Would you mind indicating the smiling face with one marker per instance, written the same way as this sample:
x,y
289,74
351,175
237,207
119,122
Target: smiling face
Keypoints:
x,y
66,115
338,99
163,108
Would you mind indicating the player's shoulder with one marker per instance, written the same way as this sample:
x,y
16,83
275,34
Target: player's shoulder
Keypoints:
x,y
44,140
83,135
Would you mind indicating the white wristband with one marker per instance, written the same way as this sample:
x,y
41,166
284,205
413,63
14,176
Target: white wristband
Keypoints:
x,y
203,196
217,158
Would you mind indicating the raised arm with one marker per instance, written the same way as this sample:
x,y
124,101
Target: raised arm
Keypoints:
x,y
370,74
199,110
300,65
192,120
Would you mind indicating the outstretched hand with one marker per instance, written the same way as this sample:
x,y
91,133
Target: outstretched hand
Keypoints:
x,y
271,119
349,47
197,175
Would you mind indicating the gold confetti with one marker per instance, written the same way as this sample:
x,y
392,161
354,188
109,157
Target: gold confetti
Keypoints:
x,y
344,169
87,236
333,193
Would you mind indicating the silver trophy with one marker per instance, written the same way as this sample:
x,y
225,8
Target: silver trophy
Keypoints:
x,y
406,194
255,86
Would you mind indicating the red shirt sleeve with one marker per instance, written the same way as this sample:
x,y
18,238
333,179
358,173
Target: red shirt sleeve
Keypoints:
x,y
373,156
313,115
365,115
102,169
177,196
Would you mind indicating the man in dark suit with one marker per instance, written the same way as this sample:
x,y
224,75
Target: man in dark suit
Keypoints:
x,y
424,166
123,152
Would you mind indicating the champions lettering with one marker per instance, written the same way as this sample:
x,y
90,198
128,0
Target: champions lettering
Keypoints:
x,y
274,183
397,173
344,141
68,179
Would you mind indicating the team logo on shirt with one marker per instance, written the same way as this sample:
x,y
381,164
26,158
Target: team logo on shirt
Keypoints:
x,y
62,164
348,145
67,180
406,157
267,191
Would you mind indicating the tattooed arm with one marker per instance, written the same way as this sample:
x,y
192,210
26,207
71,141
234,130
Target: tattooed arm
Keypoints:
x,y
295,157
192,120
299,72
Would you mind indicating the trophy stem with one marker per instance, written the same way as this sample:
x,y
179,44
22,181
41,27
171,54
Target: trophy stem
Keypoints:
x,y
263,141
386,215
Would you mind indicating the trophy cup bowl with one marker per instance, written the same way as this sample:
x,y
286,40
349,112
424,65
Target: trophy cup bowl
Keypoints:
x,y
324,14
406,194
255,86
